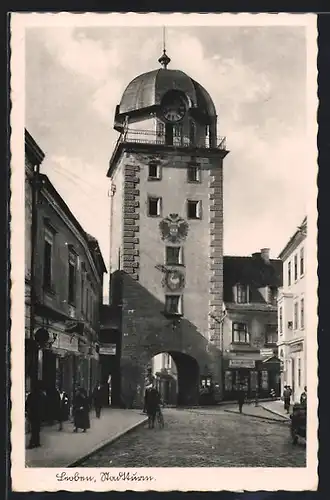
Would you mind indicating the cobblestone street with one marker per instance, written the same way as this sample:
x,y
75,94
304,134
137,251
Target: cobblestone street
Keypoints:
x,y
204,438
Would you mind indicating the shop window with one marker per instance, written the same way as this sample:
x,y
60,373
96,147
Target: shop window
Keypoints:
x,y
173,304
254,380
302,261
242,294
289,273
72,278
154,206
302,314
228,381
271,334
194,209
264,380
174,256
240,333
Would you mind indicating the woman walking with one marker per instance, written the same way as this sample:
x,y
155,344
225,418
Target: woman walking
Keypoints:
x,y
81,411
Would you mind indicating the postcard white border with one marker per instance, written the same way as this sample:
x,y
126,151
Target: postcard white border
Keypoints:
x,y
166,479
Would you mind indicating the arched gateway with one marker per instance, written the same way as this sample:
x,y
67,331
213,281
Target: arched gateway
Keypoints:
x,y
166,241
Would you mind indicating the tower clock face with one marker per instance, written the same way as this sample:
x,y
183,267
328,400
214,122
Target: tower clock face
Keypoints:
x,y
174,111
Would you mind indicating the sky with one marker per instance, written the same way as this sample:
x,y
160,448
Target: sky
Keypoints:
x,y
74,78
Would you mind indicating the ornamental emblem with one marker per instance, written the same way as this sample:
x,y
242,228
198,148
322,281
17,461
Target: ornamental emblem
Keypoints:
x,y
173,228
174,280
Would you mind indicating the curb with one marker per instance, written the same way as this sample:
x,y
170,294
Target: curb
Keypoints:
x,y
274,412
106,443
268,419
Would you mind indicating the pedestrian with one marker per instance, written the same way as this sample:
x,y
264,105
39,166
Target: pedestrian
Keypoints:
x,y
34,409
62,407
152,404
303,397
97,399
241,399
287,398
81,411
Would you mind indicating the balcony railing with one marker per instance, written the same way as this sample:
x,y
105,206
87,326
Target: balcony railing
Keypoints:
x,y
152,137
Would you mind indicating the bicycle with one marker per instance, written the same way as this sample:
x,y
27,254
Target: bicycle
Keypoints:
x,y
160,418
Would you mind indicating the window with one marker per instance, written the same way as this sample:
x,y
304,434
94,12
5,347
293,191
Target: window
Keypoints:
x,y
271,334
173,304
302,314
240,333
154,206
173,256
241,294
154,171
295,316
194,209
193,173
296,267
264,380
272,295
87,302
192,132
178,134
281,319
228,380
82,293
302,263
72,278
289,273
48,259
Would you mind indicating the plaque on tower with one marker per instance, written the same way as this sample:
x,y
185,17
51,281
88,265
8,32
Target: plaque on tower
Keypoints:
x,y
173,228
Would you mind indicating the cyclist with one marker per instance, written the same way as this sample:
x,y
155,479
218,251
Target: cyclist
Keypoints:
x,y
152,404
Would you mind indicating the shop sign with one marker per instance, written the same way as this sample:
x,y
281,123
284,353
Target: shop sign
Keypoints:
x,y
267,353
242,363
108,350
296,347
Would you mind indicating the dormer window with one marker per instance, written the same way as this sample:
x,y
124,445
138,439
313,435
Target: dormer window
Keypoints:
x,y
272,295
242,294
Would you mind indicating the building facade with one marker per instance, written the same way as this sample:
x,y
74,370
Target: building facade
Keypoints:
x,y
67,280
291,313
166,248
250,324
165,374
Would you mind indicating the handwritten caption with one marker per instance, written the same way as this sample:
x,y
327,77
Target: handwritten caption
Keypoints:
x,y
102,477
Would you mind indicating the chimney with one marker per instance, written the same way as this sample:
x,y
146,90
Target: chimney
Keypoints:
x,y
264,252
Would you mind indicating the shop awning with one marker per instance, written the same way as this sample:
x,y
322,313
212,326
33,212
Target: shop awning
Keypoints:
x,y
272,359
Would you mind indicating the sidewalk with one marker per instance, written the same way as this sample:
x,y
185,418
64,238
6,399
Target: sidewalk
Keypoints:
x,y
277,408
62,449
250,410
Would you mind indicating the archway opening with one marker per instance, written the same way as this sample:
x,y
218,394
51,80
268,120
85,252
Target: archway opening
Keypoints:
x,y
176,376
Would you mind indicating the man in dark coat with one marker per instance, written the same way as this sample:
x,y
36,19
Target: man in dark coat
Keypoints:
x,y
287,398
303,397
34,408
81,411
240,398
62,406
152,404
97,397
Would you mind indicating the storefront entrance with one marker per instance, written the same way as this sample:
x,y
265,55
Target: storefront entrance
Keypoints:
x,y
261,379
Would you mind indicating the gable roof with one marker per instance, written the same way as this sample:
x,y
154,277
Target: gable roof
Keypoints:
x,y
252,271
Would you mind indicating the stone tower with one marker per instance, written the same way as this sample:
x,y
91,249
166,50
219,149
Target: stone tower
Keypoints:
x,y
167,232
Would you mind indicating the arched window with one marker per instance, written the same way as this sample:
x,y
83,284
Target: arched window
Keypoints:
x,y
192,132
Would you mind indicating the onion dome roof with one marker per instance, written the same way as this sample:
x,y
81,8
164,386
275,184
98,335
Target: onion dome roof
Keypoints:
x,y
148,89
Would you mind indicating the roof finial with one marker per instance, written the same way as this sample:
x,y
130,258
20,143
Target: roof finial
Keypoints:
x,y
164,60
